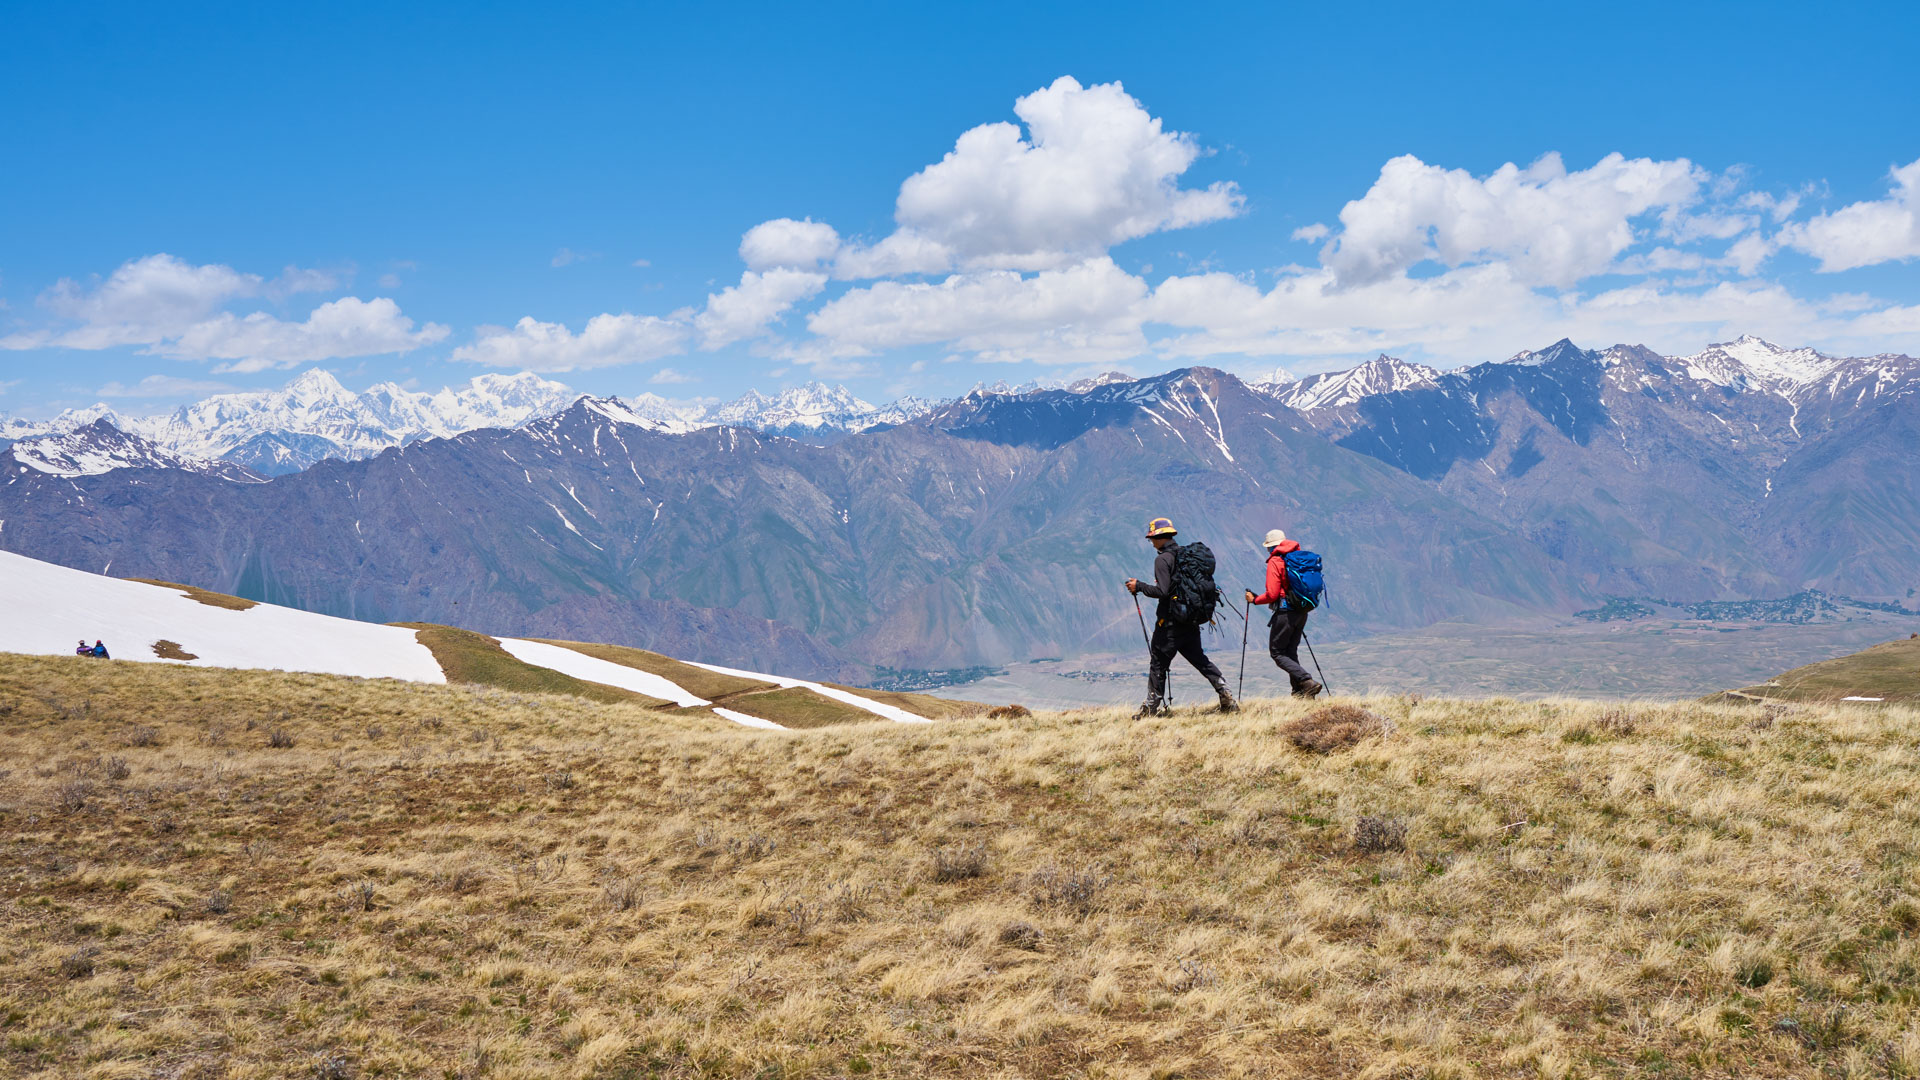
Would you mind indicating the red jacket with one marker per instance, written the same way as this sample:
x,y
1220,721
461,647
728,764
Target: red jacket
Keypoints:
x,y
1277,574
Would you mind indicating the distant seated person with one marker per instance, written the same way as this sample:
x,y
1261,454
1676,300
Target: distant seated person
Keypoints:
x,y
99,651
84,649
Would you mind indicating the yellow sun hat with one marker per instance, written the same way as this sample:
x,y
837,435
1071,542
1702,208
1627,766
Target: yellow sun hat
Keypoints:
x,y
1160,527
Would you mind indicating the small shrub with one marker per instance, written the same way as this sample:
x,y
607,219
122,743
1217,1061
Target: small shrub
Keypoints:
x,y
560,780
1616,722
116,768
220,901
1009,712
360,896
140,736
1075,889
279,739
960,863
622,895
849,901
1194,975
1336,727
1021,935
755,846
803,916
374,732
71,794
78,964
332,1065
1378,834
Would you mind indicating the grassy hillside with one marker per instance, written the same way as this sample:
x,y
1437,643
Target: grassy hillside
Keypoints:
x,y
246,873
1889,671
477,659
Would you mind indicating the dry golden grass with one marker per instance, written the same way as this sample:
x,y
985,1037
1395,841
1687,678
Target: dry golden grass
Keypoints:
x,y
171,650
464,882
205,596
1889,671
476,659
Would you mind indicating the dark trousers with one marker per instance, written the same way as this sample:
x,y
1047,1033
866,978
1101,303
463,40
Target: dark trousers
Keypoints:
x,y
1169,640
1284,632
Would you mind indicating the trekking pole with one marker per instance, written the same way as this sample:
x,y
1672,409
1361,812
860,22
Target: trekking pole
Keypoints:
x,y
1168,688
1246,624
1316,663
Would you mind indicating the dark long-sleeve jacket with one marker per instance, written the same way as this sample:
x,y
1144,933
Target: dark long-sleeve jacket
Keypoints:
x,y
1162,587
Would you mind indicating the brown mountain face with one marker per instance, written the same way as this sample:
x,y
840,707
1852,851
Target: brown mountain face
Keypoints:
x,y
1001,526
1000,529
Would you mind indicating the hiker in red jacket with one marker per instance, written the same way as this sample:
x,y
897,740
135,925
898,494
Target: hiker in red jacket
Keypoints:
x,y
1288,624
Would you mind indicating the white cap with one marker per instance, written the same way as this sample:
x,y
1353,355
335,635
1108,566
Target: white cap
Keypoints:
x,y
1274,538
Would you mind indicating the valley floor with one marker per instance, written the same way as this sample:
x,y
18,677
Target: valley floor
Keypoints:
x,y
241,873
1651,659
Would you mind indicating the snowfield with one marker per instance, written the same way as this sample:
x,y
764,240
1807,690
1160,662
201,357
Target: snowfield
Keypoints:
x,y
49,608
46,609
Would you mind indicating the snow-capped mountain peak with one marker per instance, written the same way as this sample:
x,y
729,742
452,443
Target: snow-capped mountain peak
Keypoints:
x,y
1337,389
812,405
1762,363
101,447
1556,351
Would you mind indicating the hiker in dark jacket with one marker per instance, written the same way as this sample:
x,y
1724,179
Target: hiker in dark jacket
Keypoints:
x,y
1288,624
100,651
1170,637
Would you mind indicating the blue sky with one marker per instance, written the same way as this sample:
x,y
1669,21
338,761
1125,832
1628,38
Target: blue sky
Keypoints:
x,y
225,197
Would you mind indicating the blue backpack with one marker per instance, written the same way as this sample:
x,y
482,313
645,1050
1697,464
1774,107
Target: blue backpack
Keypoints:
x,y
1305,586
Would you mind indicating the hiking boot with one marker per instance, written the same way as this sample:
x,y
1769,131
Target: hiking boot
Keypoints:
x,y
1309,689
1227,704
1153,707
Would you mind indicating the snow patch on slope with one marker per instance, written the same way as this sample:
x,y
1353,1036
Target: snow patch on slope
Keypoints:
x,y
48,608
889,712
593,669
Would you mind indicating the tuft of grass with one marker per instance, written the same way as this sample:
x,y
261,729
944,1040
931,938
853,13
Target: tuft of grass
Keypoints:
x,y
1375,835
961,862
280,739
1009,712
79,963
1336,727
205,596
467,657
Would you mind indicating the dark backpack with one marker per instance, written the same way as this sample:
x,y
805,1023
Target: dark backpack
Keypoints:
x,y
1194,594
1305,586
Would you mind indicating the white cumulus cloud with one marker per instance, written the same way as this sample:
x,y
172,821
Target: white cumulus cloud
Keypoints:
x,y
606,341
1083,312
745,310
346,327
1552,226
1864,233
786,243
1092,169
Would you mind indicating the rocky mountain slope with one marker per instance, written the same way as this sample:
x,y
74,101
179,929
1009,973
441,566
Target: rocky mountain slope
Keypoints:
x,y
998,526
